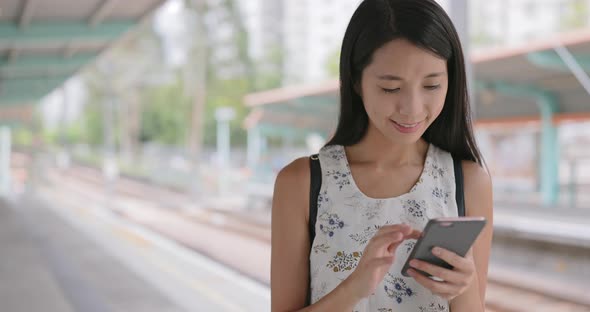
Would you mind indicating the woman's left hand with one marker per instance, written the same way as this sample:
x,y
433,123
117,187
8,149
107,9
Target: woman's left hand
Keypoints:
x,y
454,282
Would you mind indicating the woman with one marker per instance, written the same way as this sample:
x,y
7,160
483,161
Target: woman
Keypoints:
x,y
386,171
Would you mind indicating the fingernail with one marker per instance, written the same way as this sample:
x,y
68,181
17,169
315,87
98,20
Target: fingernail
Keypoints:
x,y
437,251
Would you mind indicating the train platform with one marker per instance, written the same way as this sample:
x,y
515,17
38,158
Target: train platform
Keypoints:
x,y
57,259
176,249
49,266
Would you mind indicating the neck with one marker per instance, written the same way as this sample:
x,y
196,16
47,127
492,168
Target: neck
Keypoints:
x,y
382,153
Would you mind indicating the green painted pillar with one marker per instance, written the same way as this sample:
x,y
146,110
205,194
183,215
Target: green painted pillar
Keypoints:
x,y
549,160
254,147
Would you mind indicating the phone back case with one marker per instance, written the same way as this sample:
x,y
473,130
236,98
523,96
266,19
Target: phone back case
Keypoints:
x,y
456,236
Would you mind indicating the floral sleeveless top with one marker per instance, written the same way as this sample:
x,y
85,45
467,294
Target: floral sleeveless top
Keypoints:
x,y
347,219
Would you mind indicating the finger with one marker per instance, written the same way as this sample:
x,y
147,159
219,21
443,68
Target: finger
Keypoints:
x,y
407,231
404,228
396,239
469,254
393,247
381,245
452,258
386,241
414,234
439,288
447,275
392,236
388,236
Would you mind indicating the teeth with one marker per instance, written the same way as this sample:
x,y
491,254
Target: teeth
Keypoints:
x,y
407,125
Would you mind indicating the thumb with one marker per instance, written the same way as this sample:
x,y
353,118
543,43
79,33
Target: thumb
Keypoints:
x,y
393,247
415,234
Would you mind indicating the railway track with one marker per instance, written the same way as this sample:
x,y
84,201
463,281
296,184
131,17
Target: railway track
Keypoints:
x,y
502,296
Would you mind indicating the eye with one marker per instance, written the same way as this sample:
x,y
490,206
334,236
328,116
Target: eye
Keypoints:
x,y
390,90
432,87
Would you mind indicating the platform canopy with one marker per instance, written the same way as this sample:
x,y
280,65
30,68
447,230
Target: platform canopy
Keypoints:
x,y
512,85
45,42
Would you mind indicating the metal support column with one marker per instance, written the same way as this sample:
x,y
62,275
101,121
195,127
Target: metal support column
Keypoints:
x,y
549,151
254,147
5,152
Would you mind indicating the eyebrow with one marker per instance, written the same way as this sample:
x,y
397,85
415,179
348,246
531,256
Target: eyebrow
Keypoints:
x,y
392,77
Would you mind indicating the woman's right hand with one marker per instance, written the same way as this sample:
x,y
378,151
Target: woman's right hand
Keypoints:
x,y
377,258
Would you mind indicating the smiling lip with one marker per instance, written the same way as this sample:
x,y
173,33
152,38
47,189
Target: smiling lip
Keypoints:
x,y
406,128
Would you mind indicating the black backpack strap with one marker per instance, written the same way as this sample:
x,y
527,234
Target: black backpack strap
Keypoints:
x,y
314,192
459,195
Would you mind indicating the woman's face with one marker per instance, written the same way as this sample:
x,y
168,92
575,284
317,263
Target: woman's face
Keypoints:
x,y
403,90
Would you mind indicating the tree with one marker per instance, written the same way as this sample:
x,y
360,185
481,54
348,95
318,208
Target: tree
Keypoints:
x,y
269,72
119,79
576,15
164,117
93,129
158,102
220,83
333,64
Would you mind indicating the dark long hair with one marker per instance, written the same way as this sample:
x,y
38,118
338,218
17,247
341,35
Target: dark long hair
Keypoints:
x,y
425,24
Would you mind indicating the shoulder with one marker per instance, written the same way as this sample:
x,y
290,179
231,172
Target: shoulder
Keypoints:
x,y
476,176
477,188
294,173
292,186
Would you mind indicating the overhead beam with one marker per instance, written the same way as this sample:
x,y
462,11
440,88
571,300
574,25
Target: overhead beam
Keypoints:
x,y
551,60
14,99
293,121
574,66
38,72
26,96
43,65
277,130
60,33
44,61
27,13
27,90
324,110
271,97
69,50
101,12
24,86
17,113
13,54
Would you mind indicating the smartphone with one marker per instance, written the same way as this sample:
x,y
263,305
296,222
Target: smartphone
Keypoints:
x,y
454,234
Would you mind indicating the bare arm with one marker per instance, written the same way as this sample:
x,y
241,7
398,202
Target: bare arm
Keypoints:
x,y
478,202
290,246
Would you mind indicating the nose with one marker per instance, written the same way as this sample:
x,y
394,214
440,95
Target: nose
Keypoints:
x,y
410,104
